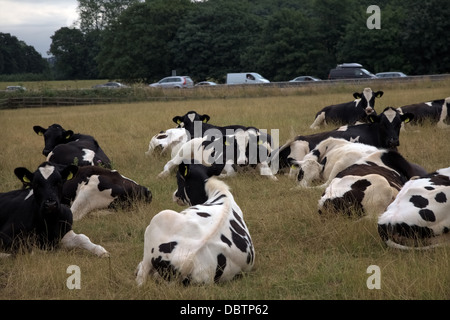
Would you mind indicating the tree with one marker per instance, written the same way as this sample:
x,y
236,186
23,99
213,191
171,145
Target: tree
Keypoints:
x,y
18,57
212,39
136,45
71,51
98,14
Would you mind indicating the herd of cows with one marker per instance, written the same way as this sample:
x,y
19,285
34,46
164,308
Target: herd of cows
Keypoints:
x,y
357,165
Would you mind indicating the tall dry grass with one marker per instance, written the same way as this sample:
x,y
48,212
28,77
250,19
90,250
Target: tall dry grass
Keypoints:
x,y
299,255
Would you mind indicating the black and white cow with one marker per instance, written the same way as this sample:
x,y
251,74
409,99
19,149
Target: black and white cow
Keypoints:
x,y
328,158
436,112
419,217
35,216
368,186
230,153
349,112
95,187
166,141
197,124
207,243
66,147
382,131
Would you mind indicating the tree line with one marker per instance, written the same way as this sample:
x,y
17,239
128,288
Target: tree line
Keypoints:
x,y
133,40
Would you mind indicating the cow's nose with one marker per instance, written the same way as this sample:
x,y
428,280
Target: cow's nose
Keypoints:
x,y
394,143
50,204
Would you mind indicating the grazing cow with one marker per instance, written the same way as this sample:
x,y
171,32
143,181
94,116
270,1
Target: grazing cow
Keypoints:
x,y
66,147
419,217
367,187
94,187
349,112
207,243
36,216
168,140
230,153
436,112
383,131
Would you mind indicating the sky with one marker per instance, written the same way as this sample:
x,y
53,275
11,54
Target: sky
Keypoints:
x,y
35,21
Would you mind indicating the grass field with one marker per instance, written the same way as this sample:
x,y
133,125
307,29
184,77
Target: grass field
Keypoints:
x,y
299,255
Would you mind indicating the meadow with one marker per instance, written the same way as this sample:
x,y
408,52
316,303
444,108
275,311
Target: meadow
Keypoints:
x,y
299,254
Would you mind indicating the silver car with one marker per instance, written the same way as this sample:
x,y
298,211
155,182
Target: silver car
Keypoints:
x,y
174,82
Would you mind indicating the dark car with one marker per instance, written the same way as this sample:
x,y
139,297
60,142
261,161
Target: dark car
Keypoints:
x,y
350,71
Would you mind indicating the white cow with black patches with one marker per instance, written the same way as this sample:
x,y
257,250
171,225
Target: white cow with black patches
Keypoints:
x,y
166,141
207,243
419,217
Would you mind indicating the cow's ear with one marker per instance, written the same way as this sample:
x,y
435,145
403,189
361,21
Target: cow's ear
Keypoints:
x,y
68,134
69,172
177,120
379,94
357,95
184,169
24,175
39,130
407,117
205,118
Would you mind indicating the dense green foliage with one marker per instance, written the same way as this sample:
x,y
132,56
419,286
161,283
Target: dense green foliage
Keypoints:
x,y
144,41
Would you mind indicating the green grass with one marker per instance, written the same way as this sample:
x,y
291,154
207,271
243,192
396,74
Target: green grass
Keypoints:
x,y
299,255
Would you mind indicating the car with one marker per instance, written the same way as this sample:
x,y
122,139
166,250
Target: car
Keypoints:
x,y
304,79
392,74
15,88
174,82
205,83
110,85
350,71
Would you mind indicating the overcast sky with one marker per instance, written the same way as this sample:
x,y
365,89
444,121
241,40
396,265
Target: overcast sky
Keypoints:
x,y
35,21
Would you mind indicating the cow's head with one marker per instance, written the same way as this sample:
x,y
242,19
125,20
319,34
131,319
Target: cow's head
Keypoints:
x,y
46,184
191,179
166,140
390,122
53,136
189,118
367,100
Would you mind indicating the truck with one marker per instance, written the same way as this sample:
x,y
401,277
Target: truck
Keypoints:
x,y
245,78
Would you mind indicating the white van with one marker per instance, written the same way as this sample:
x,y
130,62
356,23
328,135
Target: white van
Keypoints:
x,y
245,77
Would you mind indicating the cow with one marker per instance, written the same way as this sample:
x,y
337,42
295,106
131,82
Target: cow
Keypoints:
x,y
249,148
207,243
197,124
349,112
169,140
328,158
95,187
35,216
435,112
419,217
66,147
368,186
382,131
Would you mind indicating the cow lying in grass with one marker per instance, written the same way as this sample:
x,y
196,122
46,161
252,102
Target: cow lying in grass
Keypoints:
x,y
207,243
232,152
419,217
35,216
